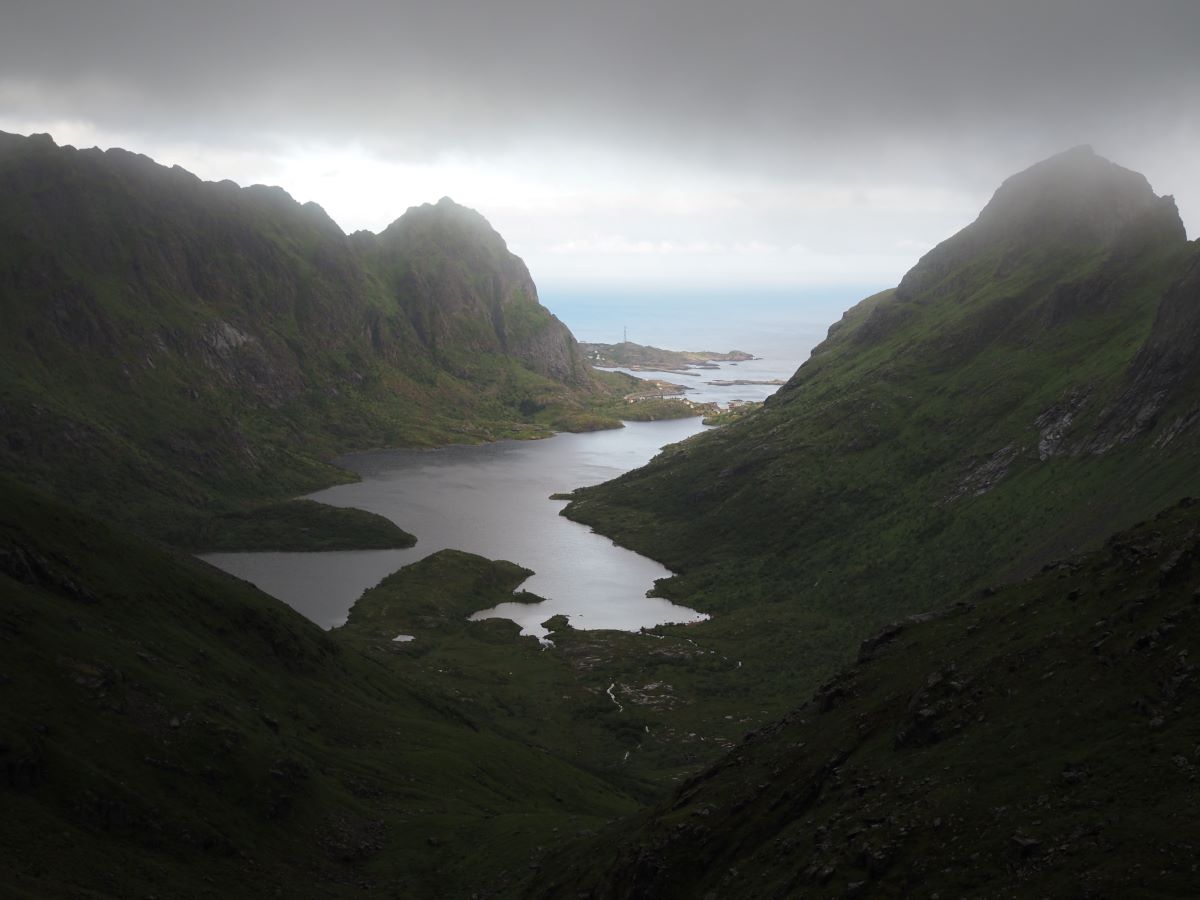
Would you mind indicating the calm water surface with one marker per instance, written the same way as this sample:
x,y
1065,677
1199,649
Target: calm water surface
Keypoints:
x,y
699,386
491,500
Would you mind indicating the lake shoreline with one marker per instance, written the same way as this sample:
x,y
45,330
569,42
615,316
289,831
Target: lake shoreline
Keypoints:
x,y
396,484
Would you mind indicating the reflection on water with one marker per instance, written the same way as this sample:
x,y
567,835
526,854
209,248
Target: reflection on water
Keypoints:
x,y
320,586
491,500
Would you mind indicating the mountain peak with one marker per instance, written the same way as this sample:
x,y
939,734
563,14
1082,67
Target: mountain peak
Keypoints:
x,y
1077,194
445,213
1074,199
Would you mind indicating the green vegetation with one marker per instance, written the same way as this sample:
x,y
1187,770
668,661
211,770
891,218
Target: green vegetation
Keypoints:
x,y
1024,392
657,409
671,705
948,434
637,356
168,729
179,356
1035,741
732,413
175,350
296,526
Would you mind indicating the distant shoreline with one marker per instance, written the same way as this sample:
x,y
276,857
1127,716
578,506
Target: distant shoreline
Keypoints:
x,y
641,358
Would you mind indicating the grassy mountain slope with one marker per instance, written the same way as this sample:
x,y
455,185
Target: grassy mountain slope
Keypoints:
x,y
1043,740
1028,388
960,429
166,729
173,346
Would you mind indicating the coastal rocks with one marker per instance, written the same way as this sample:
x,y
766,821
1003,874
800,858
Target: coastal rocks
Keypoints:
x,y
656,389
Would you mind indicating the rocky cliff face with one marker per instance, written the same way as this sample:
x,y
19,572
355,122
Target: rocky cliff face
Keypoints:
x,y
458,282
1160,390
182,336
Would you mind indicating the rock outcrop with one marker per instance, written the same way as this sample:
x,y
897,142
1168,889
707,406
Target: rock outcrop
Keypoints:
x,y
456,279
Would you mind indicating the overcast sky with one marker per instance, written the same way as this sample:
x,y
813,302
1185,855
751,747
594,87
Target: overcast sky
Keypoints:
x,y
668,143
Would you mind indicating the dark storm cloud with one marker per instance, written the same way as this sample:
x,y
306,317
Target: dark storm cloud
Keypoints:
x,y
775,76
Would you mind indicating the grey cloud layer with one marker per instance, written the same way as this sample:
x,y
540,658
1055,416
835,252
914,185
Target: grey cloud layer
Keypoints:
x,y
932,98
711,75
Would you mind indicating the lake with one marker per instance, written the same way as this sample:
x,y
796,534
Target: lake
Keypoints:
x,y
490,499
493,499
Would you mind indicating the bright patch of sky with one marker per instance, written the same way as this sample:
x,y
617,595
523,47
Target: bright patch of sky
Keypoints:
x,y
580,217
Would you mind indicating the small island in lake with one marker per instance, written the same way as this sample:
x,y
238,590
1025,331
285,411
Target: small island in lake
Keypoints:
x,y
628,355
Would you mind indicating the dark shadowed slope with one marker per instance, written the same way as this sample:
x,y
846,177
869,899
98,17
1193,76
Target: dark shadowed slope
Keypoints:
x,y
1041,741
168,730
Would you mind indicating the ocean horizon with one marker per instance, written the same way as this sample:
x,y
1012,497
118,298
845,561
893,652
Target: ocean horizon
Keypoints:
x,y
782,325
